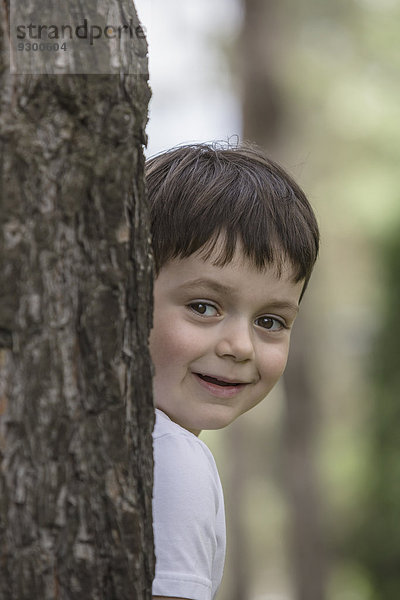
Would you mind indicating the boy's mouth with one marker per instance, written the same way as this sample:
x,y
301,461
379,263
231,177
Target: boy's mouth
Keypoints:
x,y
221,382
220,387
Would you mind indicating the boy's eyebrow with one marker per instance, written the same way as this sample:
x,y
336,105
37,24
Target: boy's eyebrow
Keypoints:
x,y
211,283
282,304
225,289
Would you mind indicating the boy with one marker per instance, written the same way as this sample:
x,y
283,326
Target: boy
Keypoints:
x,y
235,241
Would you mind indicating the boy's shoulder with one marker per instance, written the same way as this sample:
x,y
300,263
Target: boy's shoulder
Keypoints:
x,y
165,426
167,433
180,452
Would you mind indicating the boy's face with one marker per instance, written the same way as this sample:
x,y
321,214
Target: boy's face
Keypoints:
x,y
220,339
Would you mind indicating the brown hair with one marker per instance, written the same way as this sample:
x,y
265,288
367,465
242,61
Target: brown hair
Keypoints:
x,y
200,191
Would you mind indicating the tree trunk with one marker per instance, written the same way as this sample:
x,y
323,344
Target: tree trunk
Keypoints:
x,y
76,411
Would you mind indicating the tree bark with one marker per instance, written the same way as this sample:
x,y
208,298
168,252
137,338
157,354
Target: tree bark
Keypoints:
x,y
76,411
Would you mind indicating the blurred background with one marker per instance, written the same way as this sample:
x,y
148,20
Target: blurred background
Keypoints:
x,y
312,475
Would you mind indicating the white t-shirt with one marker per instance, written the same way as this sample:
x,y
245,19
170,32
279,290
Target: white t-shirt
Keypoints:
x,y
188,514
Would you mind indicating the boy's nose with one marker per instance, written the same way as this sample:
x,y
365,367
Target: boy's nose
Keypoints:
x,y
235,340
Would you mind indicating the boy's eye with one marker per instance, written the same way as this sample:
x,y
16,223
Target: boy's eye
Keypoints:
x,y
206,310
270,323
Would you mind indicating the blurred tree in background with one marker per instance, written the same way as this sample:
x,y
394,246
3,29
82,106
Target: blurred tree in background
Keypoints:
x,y
265,115
377,540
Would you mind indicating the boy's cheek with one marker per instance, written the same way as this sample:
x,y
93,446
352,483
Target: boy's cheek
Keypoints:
x,y
169,345
275,363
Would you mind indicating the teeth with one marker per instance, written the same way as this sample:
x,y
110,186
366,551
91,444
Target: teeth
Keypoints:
x,y
216,381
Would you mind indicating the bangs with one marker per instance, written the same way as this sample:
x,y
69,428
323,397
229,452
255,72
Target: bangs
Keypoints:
x,y
221,249
200,193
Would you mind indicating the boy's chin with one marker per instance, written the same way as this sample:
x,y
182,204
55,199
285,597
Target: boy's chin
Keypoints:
x,y
204,419
215,419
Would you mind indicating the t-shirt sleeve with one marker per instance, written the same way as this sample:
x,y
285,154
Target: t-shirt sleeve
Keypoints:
x,y
185,504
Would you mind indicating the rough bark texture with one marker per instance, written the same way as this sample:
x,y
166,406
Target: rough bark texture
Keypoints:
x,y
76,411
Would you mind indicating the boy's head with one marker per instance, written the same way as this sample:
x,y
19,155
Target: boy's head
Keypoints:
x,y
226,216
